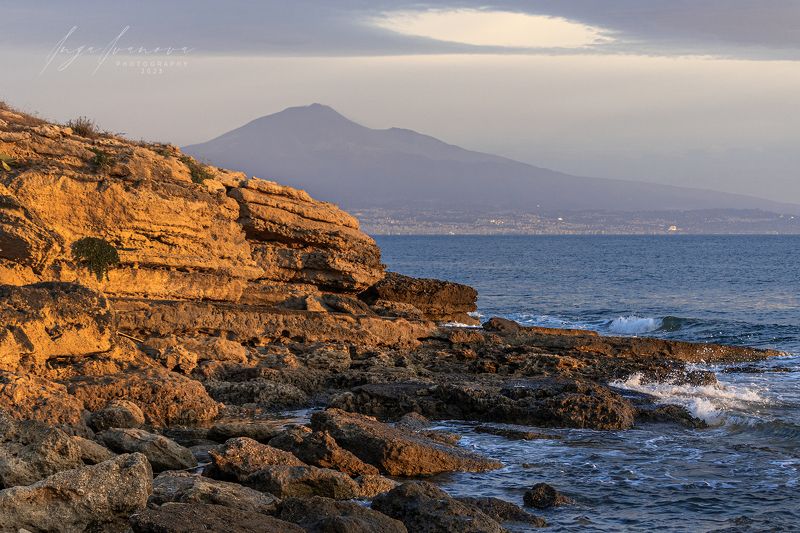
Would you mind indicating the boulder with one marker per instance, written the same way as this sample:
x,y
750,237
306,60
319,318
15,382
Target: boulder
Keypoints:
x,y
163,453
394,451
96,498
318,448
440,301
425,508
544,496
325,515
260,430
117,414
183,487
261,392
241,457
30,451
204,517
303,482
164,397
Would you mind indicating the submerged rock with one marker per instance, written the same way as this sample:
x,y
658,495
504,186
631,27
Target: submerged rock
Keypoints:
x,y
544,496
98,498
394,451
425,508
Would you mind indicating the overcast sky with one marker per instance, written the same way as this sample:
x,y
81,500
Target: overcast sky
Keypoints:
x,y
687,92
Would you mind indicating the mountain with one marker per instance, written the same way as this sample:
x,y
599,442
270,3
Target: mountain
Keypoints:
x,y
338,160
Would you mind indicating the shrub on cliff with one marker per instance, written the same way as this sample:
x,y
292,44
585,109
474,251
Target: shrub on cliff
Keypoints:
x,y
84,126
198,171
101,160
98,255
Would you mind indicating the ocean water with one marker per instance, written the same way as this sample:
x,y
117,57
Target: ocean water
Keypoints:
x,y
740,474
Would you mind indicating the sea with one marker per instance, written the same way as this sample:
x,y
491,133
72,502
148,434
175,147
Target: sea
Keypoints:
x,y
742,473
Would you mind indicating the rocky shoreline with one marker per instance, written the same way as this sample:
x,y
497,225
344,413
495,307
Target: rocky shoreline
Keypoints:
x,y
145,395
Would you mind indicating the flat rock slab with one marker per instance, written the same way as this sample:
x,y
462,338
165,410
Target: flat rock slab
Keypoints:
x,y
395,451
203,518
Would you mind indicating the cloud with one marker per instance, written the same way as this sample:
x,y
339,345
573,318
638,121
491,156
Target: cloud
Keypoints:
x,y
493,28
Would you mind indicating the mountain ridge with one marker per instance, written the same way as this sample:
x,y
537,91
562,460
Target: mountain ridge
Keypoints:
x,y
317,148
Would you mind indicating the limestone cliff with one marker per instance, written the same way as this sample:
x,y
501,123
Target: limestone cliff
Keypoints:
x,y
184,231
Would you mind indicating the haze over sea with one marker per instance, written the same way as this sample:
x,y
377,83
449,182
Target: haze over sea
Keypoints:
x,y
740,474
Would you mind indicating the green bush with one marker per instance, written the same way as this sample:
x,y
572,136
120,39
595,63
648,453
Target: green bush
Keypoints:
x,y
198,171
84,126
101,160
97,255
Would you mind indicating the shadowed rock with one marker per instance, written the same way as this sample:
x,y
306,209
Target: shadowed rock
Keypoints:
x,y
183,487
394,451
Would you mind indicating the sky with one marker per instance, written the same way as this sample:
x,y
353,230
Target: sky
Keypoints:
x,y
703,93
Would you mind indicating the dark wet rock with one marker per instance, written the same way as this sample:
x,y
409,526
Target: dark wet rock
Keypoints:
x,y
425,508
753,369
90,498
203,518
183,487
394,451
544,496
117,414
325,515
241,457
515,434
318,448
30,451
163,453
92,453
503,511
669,414
552,402
303,482
440,301
502,325
260,430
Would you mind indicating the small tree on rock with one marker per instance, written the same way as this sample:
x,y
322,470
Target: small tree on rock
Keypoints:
x,y
98,255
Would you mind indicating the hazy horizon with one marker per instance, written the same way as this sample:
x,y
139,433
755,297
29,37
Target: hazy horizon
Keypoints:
x,y
699,94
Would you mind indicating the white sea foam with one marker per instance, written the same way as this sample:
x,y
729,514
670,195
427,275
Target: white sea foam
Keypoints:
x,y
634,325
715,403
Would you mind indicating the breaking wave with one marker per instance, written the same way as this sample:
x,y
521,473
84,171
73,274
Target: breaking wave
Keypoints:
x,y
716,403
